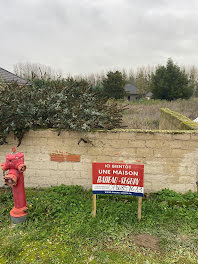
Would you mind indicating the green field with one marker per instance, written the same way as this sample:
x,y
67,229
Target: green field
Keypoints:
x,y
60,228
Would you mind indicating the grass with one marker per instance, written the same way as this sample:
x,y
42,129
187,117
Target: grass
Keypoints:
x,y
60,229
145,114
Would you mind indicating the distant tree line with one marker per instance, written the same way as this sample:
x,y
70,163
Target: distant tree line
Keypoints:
x,y
167,82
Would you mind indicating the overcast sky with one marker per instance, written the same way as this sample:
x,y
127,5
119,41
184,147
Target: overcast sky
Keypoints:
x,y
84,36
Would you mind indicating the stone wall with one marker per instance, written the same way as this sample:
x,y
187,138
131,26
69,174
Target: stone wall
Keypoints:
x,y
170,120
170,157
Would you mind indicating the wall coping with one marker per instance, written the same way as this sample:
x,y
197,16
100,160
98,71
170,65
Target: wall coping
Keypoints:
x,y
187,122
128,130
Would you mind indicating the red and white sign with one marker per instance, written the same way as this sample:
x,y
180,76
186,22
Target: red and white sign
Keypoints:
x,y
118,178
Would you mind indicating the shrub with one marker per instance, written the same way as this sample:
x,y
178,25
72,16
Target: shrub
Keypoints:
x,y
59,104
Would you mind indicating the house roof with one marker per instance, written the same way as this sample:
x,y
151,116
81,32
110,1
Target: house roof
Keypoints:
x,y
149,94
131,89
9,77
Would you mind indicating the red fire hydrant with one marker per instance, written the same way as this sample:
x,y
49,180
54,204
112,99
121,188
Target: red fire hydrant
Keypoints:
x,y
13,170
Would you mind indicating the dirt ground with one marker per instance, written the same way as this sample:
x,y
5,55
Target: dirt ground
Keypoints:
x,y
146,241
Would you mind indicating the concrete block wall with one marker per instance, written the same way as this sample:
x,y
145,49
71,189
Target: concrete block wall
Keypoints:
x,y
170,158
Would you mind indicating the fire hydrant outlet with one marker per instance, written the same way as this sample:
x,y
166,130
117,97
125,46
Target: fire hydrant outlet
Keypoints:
x,y
11,179
21,167
3,167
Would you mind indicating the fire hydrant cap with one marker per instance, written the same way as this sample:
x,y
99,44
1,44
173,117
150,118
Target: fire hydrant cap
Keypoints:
x,y
11,156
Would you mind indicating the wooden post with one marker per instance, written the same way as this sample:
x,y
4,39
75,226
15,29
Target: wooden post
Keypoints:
x,y
94,206
139,207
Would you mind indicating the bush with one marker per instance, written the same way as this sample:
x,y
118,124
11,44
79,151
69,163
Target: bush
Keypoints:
x,y
59,104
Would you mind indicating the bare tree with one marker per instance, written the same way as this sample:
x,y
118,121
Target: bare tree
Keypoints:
x,y
30,71
192,73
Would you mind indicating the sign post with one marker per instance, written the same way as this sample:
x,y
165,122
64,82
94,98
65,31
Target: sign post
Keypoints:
x,y
94,206
118,178
139,208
